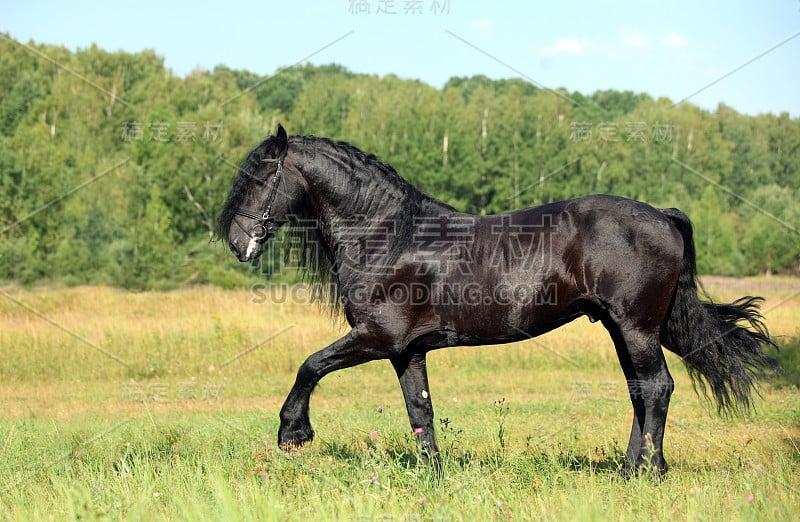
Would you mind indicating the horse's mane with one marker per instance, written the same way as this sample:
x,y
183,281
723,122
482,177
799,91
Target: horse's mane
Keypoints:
x,y
374,187
360,166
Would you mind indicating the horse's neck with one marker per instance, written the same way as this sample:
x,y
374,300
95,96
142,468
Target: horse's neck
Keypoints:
x,y
358,204
340,193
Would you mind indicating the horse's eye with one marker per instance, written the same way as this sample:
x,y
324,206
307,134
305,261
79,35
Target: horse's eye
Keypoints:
x,y
255,179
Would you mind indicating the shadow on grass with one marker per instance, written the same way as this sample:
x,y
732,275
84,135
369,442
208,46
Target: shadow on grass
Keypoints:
x,y
398,453
559,457
574,462
533,462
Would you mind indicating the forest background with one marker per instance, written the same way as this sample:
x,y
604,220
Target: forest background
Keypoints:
x,y
112,169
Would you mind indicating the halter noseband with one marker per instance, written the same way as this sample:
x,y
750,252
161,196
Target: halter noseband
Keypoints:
x,y
264,225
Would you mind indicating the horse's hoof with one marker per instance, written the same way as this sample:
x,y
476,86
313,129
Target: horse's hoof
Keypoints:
x,y
292,439
291,447
642,469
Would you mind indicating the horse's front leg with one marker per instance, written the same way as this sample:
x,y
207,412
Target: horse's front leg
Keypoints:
x,y
354,348
413,376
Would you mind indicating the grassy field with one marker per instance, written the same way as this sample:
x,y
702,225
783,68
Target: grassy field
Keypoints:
x,y
118,405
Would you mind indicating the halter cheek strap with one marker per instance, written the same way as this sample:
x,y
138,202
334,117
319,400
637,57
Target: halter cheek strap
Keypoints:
x,y
264,224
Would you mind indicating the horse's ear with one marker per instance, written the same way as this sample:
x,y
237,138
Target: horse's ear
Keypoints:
x,y
282,141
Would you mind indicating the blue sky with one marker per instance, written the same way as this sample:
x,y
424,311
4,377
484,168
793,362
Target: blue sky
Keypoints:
x,y
668,49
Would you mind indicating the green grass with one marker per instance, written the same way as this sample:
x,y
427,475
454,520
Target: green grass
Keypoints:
x,y
534,430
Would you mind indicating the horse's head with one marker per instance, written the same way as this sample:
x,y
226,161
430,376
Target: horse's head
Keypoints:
x,y
265,192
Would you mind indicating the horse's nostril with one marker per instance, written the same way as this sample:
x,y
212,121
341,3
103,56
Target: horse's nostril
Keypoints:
x,y
233,248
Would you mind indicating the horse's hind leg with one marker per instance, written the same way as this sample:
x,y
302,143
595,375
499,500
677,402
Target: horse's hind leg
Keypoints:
x,y
650,388
413,375
636,439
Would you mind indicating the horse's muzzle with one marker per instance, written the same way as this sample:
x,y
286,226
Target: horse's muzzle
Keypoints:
x,y
251,250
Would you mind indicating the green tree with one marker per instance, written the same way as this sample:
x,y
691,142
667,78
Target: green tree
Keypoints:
x,y
715,236
772,237
155,257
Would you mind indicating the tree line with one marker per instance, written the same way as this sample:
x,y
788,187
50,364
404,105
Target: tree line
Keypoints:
x,y
112,169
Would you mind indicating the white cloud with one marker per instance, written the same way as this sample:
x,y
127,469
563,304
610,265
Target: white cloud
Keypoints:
x,y
632,41
673,41
623,46
482,26
626,44
567,46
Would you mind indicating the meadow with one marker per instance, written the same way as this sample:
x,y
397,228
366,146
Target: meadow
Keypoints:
x,y
164,406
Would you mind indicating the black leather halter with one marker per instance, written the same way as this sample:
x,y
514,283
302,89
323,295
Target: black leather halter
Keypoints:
x,y
264,224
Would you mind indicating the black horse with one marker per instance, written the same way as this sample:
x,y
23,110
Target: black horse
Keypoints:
x,y
412,274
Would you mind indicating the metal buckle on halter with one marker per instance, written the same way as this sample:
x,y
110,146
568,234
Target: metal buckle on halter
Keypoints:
x,y
259,232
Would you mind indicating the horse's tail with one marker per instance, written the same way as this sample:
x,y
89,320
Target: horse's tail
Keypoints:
x,y
719,353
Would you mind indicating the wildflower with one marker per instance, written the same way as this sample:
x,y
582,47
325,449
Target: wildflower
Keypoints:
x,y
373,434
537,484
379,409
750,498
421,501
419,431
375,479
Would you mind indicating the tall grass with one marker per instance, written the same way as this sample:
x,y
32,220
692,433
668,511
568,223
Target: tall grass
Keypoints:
x,y
164,406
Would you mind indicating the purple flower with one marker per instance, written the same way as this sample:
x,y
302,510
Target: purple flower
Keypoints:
x,y
419,431
379,409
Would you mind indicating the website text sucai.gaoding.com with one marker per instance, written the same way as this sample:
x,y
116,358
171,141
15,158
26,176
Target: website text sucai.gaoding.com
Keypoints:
x,y
418,294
